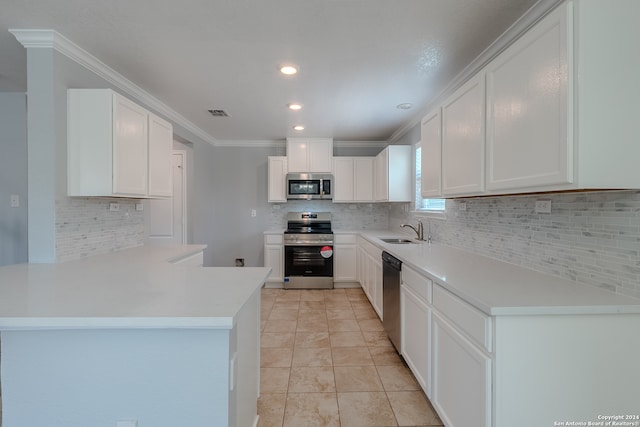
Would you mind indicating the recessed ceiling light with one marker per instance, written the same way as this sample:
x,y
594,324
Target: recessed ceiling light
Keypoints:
x,y
294,106
405,106
288,69
298,127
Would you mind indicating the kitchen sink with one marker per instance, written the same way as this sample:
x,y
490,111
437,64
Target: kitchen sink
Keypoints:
x,y
396,240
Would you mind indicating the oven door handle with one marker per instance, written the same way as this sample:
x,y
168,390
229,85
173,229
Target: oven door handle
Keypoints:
x,y
324,243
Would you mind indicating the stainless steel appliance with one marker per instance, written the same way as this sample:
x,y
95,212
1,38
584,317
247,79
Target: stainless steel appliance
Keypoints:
x,y
308,186
308,251
391,268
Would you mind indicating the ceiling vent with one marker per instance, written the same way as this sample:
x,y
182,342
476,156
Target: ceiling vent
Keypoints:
x,y
219,113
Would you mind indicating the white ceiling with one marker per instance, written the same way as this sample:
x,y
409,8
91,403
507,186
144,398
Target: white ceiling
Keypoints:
x,y
358,59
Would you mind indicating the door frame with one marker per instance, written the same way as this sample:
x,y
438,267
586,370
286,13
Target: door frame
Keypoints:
x,y
183,154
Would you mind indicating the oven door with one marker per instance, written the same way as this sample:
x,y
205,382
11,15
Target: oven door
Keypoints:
x,y
308,267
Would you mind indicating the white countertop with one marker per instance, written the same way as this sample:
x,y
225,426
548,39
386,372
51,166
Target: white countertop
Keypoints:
x,y
499,288
132,288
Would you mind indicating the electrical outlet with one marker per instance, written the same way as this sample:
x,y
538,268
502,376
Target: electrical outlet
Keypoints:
x,y
139,207
15,201
462,206
114,207
254,213
543,206
239,262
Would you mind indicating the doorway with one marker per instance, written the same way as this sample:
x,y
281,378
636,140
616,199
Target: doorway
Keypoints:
x,y
168,217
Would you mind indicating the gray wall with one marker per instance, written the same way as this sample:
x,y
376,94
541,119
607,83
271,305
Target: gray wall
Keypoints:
x,y
13,177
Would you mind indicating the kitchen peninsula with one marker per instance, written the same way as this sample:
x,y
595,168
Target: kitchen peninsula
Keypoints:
x,y
130,336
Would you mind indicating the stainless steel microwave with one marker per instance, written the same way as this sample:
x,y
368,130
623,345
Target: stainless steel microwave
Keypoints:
x,y
309,186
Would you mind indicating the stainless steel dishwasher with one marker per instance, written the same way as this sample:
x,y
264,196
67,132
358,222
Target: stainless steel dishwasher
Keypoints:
x,y
391,267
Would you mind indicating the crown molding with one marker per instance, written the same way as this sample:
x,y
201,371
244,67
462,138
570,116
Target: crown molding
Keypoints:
x,y
535,13
251,143
54,40
280,143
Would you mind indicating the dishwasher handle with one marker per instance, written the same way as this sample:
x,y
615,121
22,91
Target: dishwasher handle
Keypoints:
x,y
391,261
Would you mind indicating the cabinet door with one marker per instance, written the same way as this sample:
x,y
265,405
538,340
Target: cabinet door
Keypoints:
x,y
160,157
345,263
343,179
363,177
461,378
274,258
382,176
297,156
129,148
463,139
320,156
416,335
527,140
431,158
376,284
277,166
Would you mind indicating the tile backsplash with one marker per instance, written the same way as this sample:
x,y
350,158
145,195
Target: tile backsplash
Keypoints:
x,y
85,226
592,238
344,216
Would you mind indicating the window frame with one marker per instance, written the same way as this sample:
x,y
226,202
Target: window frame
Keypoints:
x,y
419,211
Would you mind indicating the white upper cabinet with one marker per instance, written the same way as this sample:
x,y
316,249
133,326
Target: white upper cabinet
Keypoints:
x,y
431,158
607,93
160,157
277,184
353,179
130,148
528,144
116,148
561,109
310,155
463,140
363,177
393,174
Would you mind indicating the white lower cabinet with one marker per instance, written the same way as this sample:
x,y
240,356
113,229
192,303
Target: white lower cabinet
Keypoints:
x,y
461,378
274,257
370,273
344,259
416,335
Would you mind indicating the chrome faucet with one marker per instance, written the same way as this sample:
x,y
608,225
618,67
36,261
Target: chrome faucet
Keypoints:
x,y
419,231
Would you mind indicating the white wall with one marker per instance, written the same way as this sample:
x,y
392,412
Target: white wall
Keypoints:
x,y
13,177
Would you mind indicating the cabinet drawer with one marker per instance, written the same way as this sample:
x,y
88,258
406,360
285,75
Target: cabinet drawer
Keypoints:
x,y
470,320
273,239
370,248
417,283
344,239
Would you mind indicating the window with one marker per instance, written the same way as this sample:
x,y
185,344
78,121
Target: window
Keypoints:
x,y
424,204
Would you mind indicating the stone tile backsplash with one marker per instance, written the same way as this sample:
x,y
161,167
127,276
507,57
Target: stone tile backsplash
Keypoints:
x,y
592,238
344,216
85,227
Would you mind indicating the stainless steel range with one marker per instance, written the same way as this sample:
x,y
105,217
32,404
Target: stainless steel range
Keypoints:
x,y
308,251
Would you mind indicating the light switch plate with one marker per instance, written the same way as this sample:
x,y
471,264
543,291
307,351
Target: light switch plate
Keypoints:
x,y
15,201
114,207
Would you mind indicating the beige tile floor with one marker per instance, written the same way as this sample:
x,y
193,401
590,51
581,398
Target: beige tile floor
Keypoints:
x,y
326,361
